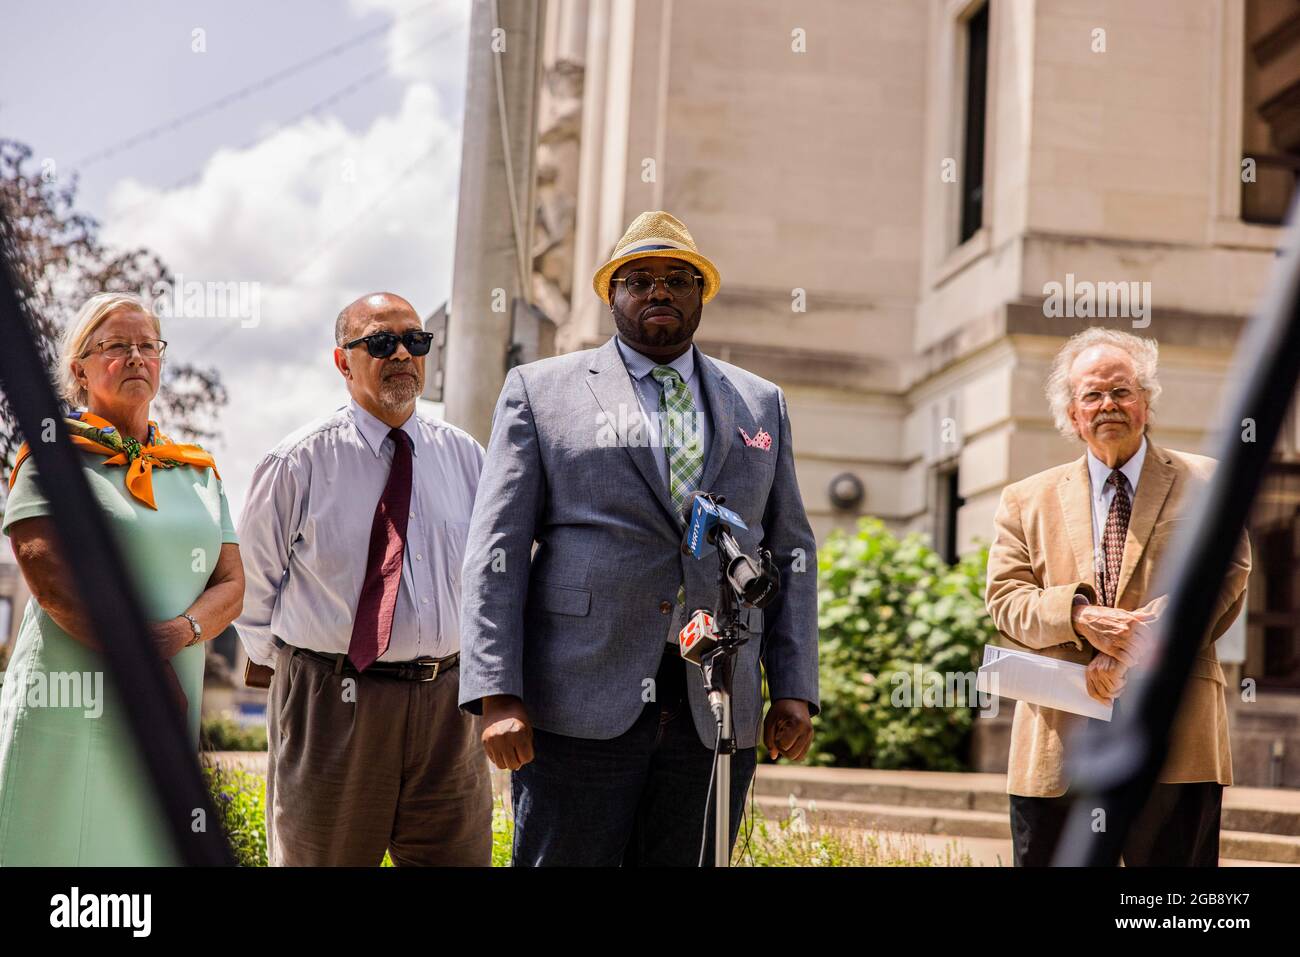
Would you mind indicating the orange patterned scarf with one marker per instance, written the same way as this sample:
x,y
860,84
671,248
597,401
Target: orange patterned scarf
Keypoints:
x,y
90,433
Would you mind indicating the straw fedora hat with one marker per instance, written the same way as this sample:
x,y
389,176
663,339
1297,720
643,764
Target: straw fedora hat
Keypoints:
x,y
657,234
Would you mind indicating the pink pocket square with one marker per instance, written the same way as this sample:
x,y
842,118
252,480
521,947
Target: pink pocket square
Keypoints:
x,y
761,440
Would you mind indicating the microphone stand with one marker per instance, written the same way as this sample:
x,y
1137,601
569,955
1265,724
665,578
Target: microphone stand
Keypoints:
x,y
718,666
741,581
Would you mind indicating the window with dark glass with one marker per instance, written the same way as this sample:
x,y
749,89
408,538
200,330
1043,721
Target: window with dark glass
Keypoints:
x,y
947,503
1273,614
1270,113
977,71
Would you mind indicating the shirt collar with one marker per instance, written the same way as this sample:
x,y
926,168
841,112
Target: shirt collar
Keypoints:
x,y
639,366
374,431
1099,471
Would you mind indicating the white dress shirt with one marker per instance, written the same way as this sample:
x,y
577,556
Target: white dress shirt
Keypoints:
x,y
305,535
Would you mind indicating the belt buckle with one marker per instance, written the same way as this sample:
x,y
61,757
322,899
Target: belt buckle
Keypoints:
x,y
437,666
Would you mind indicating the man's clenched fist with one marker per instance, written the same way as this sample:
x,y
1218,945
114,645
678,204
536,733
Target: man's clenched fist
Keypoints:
x,y
507,735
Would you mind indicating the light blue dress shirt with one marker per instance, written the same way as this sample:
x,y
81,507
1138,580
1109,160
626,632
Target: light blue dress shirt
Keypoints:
x,y
1102,493
648,390
305,535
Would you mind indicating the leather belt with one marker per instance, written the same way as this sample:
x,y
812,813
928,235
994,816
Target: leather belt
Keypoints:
x,y
421,669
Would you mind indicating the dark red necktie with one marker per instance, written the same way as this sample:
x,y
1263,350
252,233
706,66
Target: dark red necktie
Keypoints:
x,y
373,624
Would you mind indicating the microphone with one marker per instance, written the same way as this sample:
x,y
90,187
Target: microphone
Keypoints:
x,y
696,640
699,637
708,527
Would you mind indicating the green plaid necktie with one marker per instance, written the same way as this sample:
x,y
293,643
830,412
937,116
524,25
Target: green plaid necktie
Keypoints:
x,y
679,431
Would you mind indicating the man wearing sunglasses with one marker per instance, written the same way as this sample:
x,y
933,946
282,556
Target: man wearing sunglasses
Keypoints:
x,y
571,650
356,530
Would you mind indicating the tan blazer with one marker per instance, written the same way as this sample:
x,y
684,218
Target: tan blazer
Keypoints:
x,y
1042,553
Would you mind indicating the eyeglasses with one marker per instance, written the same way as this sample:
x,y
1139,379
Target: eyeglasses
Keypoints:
x,y
151,349
381,345
678,283
1122,396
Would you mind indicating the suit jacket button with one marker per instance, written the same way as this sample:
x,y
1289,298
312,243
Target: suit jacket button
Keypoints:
x,y
665,607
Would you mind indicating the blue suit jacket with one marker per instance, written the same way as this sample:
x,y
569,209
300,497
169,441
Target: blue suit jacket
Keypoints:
x,y
574,626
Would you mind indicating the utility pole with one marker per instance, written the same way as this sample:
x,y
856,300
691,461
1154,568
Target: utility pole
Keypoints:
x,y
494,227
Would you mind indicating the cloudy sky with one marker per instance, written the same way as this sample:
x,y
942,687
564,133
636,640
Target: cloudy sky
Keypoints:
x,y
310,148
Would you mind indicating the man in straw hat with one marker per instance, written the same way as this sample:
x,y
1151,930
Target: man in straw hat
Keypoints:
x,y
570,652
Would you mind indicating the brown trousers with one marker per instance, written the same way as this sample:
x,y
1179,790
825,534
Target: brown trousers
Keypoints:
x,y
358,765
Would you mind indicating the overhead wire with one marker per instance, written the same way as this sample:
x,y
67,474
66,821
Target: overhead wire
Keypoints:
x,y
319,106
235,96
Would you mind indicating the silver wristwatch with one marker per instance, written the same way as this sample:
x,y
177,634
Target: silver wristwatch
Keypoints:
x,y
196,628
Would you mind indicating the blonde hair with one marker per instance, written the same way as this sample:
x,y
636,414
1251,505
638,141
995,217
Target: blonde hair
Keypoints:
x,y
1060,393
76,338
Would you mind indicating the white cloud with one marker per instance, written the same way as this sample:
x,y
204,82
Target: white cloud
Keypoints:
x,y
424,28
316,215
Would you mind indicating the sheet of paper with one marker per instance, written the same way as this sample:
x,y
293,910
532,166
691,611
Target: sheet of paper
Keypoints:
x,y
1038,679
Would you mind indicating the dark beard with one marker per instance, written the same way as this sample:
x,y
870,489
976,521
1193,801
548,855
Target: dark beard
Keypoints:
x,y
631,331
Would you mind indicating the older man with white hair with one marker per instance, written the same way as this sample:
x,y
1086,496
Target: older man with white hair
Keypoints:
x,y
1071,575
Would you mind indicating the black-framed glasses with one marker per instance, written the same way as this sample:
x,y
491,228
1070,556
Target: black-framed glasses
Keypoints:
x,y
381,345
121,348
679,283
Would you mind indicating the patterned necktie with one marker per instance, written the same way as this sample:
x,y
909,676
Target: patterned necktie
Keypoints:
x,y
373,624
1112,538
680,433
679,430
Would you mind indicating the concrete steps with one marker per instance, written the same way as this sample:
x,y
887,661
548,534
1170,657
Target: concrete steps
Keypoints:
x,y
1260,825
1260,848
892,817
965,812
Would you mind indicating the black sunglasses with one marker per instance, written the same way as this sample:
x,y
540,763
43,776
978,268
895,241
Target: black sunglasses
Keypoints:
x,y
381,345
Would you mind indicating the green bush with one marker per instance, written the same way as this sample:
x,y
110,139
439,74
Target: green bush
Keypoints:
x,y
224,734
890,612
240,800
503,833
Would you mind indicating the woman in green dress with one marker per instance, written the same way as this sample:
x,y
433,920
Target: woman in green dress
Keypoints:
x,y
73,787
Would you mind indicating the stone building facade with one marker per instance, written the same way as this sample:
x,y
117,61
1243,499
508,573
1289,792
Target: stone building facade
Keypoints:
x,y
901,193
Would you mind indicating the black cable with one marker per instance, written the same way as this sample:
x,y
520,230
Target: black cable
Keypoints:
x,y
95,564
750,814
708,797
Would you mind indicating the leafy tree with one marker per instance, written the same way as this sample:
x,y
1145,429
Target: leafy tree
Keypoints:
x,y
60,263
